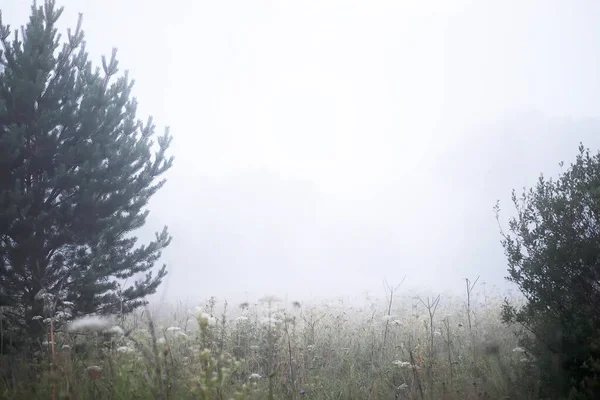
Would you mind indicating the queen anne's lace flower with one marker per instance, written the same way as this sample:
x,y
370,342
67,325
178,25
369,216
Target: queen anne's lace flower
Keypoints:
x,y
91,323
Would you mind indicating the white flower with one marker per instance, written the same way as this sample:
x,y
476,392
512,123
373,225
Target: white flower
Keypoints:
x,y
241,319
42,295
124,349
66,346
36,318
279,316
207,317
405,364
93,370
114,330
255,376
68,303
197,310
519,349
62,315
437,333
173,328
402,364
90,323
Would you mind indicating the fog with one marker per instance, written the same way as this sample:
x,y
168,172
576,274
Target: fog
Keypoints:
x,y
323,146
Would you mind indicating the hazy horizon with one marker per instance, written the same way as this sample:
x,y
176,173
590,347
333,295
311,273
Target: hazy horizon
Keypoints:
x,y
322,147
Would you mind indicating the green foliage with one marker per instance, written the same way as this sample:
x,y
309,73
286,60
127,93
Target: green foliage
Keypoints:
x,y
77,169
553,249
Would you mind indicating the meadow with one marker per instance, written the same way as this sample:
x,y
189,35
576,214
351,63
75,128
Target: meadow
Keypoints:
x,y
398,346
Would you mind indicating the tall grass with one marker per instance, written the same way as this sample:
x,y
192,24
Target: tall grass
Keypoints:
x,y
400,347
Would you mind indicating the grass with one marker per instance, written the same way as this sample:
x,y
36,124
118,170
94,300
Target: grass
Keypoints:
x,y
399,347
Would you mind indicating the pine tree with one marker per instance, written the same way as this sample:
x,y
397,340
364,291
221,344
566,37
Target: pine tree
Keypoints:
x,y
77,169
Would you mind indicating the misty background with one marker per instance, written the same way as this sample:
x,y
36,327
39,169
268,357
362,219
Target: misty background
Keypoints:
x,y
322,146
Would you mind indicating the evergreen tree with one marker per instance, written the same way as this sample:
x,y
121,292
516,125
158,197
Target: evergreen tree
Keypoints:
x,y
553,252
77,169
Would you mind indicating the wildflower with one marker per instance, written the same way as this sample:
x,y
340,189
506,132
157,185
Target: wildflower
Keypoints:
x,y
402,364
255,376
94,371
173,328
241,319
36,318
518,349
114,330
68,303
124,349
437,333
91,323
62,315
204,318
43,295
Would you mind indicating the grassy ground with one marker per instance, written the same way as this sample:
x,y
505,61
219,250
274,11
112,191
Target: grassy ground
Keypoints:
x,y
430,348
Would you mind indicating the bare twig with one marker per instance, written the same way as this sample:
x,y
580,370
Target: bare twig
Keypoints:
x,y
390,292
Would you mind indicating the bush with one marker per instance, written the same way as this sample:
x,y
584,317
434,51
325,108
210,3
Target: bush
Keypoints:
x,y
553,249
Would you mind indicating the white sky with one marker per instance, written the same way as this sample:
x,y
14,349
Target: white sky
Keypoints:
x,y
324,145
